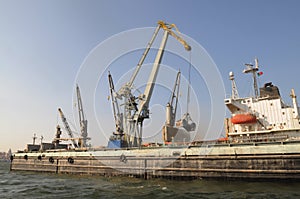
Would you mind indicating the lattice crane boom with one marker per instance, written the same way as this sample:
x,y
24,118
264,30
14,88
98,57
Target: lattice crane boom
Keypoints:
x,y
66,124
82,120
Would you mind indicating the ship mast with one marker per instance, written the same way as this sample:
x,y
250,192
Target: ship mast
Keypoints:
x,y
34,138
235,94
253,70
295,104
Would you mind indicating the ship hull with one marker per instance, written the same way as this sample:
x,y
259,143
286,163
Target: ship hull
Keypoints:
x,y
277,160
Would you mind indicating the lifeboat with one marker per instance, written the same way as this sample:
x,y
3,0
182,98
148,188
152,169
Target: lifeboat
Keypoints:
x,y
246,118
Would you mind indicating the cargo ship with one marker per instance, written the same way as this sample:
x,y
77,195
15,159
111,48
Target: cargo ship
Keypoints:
x,y
262,136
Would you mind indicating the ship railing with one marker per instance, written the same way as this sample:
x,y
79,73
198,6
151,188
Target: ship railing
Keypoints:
x,y
259,138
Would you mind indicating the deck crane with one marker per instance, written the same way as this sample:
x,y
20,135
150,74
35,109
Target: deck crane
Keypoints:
x,y
82,120
169,131
136,109
66,124
171,107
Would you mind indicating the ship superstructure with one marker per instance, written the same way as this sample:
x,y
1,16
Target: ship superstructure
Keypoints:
x,y
263,116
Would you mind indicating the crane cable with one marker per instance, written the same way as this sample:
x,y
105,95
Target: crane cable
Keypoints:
x,y
189,82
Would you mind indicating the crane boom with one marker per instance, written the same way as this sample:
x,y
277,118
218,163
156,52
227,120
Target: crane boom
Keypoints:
x,y
115,106
66,124
140,63
82,120
166,27
143,106
171,107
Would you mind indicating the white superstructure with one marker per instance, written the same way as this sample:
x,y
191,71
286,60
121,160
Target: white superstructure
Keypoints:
x,y
262,116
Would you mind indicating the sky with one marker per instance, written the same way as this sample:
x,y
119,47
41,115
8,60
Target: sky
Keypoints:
x,y
44,44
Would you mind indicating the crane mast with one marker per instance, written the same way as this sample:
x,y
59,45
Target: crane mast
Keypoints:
x,y
136,109
66,124
82,120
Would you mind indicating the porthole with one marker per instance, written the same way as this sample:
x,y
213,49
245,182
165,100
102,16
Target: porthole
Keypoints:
x,y
51,160
70,160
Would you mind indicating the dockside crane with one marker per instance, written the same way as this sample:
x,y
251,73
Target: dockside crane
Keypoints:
x,y
82,120
66,124
136,108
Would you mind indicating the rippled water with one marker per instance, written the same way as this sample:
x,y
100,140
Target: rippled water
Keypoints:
x,y
39,185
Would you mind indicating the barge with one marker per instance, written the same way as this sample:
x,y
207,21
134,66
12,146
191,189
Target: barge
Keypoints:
x,y
264,160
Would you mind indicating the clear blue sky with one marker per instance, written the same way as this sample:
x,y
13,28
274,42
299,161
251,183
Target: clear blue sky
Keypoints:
x,y
43,44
